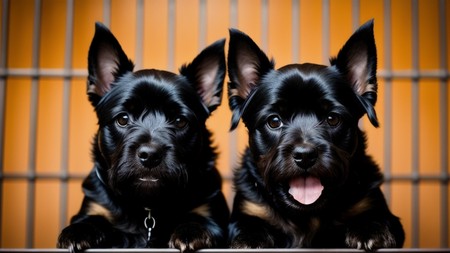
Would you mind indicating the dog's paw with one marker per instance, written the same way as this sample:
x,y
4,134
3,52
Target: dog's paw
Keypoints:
x,y
252,241
191,237
369,239
80,236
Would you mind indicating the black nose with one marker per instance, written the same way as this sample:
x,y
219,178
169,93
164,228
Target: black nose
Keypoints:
x,y
150,156
305,156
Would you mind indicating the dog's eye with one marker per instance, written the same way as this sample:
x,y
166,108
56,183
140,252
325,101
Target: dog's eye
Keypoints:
x,y
123,119
274,122
180,122
333,119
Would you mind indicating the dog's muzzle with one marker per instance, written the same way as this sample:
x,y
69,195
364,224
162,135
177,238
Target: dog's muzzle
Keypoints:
x,y
305,155
150,155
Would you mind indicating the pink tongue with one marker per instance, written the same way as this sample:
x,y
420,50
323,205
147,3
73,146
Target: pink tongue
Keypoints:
x,y
306,190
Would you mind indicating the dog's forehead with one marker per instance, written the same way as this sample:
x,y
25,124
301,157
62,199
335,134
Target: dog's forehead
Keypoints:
x,y
300,82
306,88
150,90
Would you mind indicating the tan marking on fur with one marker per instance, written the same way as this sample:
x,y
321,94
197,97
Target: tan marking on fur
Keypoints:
x,y
370,87
314,224
266,213
202,210
257,210
97,209
233,92
360,207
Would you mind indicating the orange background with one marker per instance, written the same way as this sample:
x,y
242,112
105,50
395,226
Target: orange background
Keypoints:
x,y
190,35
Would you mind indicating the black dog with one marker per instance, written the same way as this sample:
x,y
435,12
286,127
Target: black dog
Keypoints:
x,y
306,180
154,182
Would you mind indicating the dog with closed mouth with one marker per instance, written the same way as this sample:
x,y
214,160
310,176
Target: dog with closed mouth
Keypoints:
x,y
305,178
154,181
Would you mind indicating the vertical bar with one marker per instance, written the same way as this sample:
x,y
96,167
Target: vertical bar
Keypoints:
x,y
355,26
325,31
443,111
33,126
3,56
295,30
355,14
65,113
387,138
202,25
415,125
233,13
264,24
234,158
171,35
139,33
107,12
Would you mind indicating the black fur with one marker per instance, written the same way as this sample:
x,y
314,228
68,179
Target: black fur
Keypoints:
x,y
152,150
302,121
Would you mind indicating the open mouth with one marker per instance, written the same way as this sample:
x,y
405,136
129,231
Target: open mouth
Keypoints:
x,y
306,189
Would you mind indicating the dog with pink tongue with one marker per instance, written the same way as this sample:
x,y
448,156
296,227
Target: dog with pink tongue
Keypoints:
x,y
305,179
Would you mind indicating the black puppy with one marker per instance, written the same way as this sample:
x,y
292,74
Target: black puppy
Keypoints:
x,y
306,180
154,182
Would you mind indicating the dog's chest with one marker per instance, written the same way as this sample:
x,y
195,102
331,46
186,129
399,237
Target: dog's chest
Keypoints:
x,y
300,235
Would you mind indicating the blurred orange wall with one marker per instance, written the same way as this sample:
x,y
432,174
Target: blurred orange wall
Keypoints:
x,y
191,32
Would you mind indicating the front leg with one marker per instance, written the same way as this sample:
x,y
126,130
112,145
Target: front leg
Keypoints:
x,y
372,235
251,233
90,232
376,227
198,233
191,236
204,227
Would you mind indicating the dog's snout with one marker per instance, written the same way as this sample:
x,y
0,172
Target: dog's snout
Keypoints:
x,y
150,156
305,156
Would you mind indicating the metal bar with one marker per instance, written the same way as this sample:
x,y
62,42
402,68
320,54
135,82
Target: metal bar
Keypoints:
x,y
355,26
202,25
82,73
171,35
233,13
415,239
38,72
139,33
415,74
265,25
107,12
410,177
325,31
31,187
3,57
443,115
387,125
233,136
355,14
65,113
406,250
295,12
58,176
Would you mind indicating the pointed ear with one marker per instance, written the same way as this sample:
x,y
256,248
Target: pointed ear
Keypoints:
x,y
247,64
357,61
207,74
106,62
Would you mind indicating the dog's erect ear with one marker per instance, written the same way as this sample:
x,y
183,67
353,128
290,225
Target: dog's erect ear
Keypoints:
x,y
207,73
247,63
357,61
106,62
